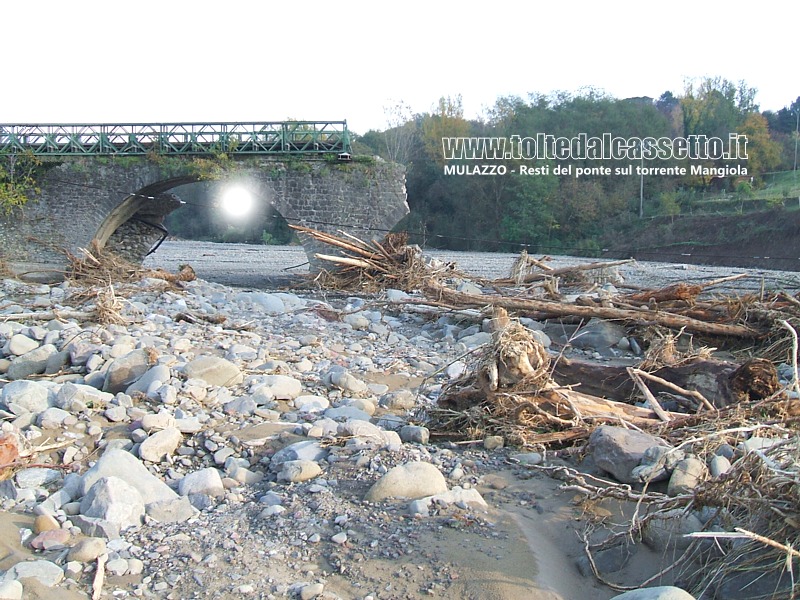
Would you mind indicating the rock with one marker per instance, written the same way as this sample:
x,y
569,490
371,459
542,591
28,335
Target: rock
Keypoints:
x,y
126,466
117,567
688,474
77,397
609,560
493,442
477,339
21,344
243,406
10,590
346,413
295,471
305,450
755,581
599,335
270,303
719,465
283,387
460,497
52,418
37,477
45,572
618,451
160,444
112,499
45,523
665,530
31,363
344,380
177,510
311,404
311,591
125,370
415,434
87,549
157,373
51,540
214,371
399,400
25,397
157,422
205,481
410,480
135,566
357,321
528,458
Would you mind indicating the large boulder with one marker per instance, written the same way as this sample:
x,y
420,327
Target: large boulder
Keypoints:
x,y
411,481
122,464
618,451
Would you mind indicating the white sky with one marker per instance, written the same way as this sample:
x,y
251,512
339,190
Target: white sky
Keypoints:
x,y
92,61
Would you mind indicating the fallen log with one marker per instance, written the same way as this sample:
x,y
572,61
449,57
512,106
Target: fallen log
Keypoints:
x,y
553,309
722,383
561,272
676,291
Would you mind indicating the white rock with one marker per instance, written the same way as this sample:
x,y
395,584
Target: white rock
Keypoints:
x,y
111,499
45,572
116,462
311,404
205,481
295,471
11,590
411,480
160,444
283,387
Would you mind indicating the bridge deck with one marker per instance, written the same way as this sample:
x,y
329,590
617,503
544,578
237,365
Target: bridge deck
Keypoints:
x,y
278,137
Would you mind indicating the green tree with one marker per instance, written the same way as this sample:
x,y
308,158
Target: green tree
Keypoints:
x,y
17,179
447,120
763,153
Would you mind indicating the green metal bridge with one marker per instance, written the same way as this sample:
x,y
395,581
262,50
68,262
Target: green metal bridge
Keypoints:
x,y
137,139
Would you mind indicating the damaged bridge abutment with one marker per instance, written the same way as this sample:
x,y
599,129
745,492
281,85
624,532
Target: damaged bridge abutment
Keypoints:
x,y
120,205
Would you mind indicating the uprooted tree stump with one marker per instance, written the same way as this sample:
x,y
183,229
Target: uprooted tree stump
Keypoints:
x,y
723,383
509,390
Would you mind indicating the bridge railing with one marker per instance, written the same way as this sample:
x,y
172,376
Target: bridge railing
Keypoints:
x,y
276,137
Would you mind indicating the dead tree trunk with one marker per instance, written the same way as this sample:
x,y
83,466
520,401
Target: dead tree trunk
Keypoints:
x,y
722,383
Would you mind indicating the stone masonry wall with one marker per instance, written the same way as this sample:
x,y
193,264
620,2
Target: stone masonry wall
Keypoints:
x,y
88,199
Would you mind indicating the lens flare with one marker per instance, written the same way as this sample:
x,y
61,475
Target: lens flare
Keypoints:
x,y
237,202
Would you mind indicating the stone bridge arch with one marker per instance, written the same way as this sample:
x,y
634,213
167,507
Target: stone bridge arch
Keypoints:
x,y
120,203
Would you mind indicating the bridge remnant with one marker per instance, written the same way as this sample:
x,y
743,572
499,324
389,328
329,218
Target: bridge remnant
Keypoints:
x,y
113,190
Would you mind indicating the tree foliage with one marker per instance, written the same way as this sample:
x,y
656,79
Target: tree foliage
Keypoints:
x,y
18,173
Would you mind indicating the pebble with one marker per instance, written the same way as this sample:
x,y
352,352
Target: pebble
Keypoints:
x,y
196,421
87,549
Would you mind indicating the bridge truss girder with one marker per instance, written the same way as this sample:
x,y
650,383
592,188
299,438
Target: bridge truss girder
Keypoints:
x,y
136,139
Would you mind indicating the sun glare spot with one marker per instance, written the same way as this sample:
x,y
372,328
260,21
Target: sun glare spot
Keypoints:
x,y
237,202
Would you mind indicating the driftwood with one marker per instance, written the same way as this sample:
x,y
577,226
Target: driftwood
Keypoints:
x,y
561,272
510,389
553,309
721,382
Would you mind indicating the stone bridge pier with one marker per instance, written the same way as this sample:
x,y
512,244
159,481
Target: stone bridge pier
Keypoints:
x,y
120,204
